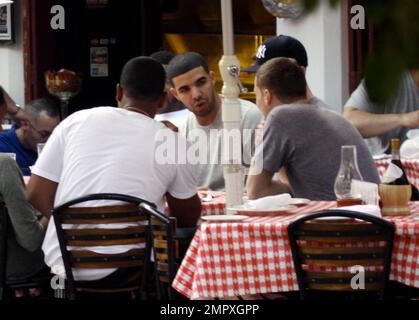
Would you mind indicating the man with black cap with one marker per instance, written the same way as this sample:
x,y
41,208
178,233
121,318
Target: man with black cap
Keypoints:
x,y
281,46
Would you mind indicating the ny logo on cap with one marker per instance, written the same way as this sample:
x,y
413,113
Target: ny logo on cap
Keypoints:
x,y
261,52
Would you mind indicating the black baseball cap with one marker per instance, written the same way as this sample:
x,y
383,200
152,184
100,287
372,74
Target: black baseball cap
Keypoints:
x,y
279,46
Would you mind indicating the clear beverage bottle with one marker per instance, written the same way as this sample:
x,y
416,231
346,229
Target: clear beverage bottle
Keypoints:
x,y
348,171
395,159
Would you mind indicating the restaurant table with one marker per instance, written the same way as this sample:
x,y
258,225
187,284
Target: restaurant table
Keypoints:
x,y
254,256
411,168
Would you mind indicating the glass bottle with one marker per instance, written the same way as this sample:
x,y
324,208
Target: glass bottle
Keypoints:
x,y
348,171
395,159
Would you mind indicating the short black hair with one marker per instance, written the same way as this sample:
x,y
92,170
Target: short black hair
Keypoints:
x,y
163,56
284,77
50,106
143,78
183,63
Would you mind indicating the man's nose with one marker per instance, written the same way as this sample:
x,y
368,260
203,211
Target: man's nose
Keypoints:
x,y
196,92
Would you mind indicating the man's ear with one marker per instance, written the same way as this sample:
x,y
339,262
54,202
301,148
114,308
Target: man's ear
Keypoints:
x,y
267,96
24,124
212,76
119,93
163,101
173,91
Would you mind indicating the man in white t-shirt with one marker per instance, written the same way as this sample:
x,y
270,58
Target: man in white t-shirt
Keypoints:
x,y
113,150
194,84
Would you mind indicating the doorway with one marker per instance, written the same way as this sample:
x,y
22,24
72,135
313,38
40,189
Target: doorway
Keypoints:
x,y
113,30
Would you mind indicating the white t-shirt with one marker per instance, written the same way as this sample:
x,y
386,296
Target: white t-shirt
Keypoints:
x,y
210,172
109,150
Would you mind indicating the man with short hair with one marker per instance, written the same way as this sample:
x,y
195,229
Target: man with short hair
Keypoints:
x,y
43,115
300,136
172,104
194,84
281,46
113,150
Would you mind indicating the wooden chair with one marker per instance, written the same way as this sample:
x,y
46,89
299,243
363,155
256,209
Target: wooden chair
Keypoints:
x,y
136,261
38,281
165,252
324,251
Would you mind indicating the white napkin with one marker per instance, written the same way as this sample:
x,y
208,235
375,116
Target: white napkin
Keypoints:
x,y
392,173
270,202
364,208
412,133
410,148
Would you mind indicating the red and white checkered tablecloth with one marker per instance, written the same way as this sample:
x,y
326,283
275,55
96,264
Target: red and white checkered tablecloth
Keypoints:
x,y
411,168
254,256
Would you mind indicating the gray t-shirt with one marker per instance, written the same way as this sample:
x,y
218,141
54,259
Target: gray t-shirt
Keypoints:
x,y
210,173
405,100
306,140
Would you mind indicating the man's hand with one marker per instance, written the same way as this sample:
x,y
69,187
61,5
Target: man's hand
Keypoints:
x,y
260,184
12,108
410,120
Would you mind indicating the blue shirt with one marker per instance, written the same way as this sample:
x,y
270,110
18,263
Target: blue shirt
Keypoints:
x,y
9,143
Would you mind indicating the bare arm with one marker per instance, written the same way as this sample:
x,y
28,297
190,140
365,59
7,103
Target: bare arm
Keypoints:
x,y
186,211
261,184
8,105
371,125
41,194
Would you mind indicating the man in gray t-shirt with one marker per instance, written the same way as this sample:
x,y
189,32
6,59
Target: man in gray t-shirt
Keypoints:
x,y
381,123
300,136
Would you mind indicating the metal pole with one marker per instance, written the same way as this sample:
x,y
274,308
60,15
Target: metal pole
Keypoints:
x,y
231,113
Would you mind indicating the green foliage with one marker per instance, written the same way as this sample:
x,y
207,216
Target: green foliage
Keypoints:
x,y
395,47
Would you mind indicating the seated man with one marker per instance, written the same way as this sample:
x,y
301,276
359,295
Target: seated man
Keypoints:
x,y
172,104
113,150
381,123
24,255
300,136
43,115
194,85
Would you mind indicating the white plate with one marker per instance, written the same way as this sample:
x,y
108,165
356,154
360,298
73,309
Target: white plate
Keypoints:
x,y
299,202
224,218
262,212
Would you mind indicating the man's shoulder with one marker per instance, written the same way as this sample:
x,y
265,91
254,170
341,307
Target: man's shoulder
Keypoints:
x,y
250,112
8,139
188,124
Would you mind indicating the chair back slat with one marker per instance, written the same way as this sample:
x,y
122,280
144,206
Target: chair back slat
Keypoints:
x,y
91,260
102,215
341,281
106,237
333,244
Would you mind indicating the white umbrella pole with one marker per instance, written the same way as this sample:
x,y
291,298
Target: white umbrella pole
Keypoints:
x,y
231,114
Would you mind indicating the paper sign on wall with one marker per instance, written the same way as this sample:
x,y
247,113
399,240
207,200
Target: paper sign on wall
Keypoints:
x,y
99,64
